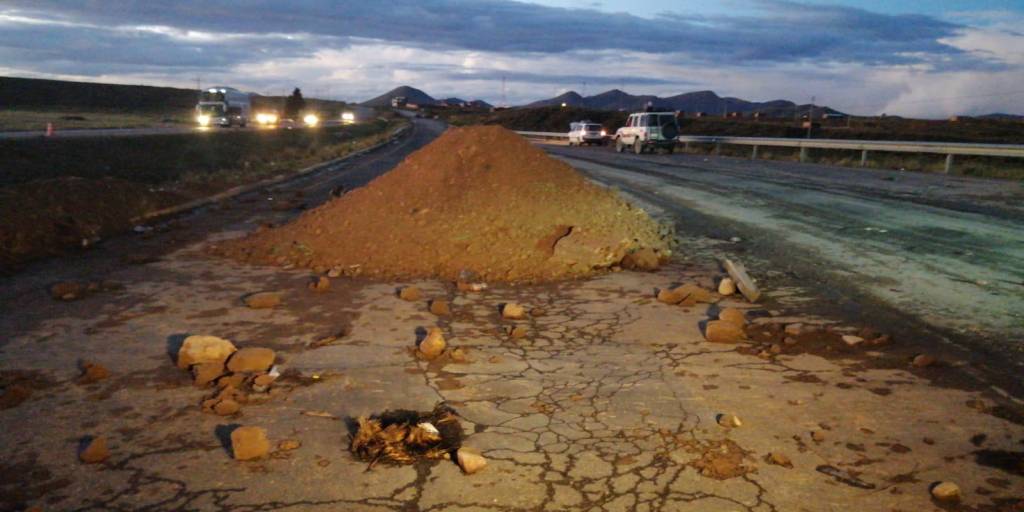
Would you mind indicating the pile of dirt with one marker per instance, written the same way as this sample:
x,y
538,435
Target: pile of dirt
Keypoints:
x,y
49,217
479,200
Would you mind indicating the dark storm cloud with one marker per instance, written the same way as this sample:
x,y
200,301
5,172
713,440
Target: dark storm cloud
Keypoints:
x,y
773,31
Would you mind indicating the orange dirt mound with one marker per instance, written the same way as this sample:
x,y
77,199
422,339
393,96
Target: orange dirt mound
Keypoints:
x,y
478,200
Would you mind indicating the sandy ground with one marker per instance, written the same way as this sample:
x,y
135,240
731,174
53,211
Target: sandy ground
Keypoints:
x,y
610,402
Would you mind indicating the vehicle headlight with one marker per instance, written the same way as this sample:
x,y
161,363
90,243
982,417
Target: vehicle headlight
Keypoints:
x,y
348,117
203,120
604,133
311,120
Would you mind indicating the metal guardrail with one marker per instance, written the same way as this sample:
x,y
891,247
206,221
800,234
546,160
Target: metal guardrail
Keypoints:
x,y
864,146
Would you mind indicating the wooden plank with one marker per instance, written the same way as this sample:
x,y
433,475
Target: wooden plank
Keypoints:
x,y
746,285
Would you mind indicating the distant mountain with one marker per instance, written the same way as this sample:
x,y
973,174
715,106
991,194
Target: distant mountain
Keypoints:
x,y
1002,116
691,102
411,94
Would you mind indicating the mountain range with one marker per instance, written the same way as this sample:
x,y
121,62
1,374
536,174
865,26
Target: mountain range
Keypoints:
x,y
691,102
414,95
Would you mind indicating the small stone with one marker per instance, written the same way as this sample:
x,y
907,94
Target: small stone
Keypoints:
x,y
729,421
95,451
538,312
470,460
789,341
410,293
517,332
205,373
251,359
204,349
734,316
261,383
923,361
465,286
852,340
433,345
334,272
818,436
726,287
320,284
288,445
947,492
459,355
93,372
779,459
513,311
775,349
669,297
67,290
262,300
249,443
231,380
440,307
226,407
720,331
645,259
793,329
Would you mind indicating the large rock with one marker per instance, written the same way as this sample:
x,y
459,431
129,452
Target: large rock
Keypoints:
x,y
432,345
249,443
204,349
251,359
263,300
733,316
721,331
470,460
205,373
583,251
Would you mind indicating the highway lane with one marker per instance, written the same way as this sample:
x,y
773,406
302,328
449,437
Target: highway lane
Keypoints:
x,y
927,252
137,132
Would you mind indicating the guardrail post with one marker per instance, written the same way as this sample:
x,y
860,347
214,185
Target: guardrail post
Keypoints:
x,y
949,163
718,148
803,154
753,154
864,158
686,146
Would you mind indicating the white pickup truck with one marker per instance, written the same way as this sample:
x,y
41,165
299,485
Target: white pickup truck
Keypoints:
x,y
648,131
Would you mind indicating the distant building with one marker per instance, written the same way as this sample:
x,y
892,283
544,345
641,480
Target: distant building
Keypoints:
x,y
398,101
735,115
700,114
759,115
832,115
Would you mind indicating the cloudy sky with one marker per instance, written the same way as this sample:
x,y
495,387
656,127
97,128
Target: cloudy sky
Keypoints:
x,y
928,58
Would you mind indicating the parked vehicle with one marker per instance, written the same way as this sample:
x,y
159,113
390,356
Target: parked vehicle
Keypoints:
x,y
223,106
648,131
586,132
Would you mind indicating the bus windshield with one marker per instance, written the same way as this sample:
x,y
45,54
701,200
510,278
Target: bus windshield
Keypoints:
x,y
214,109
212,96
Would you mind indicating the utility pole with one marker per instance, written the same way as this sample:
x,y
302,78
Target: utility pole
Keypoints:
x,y
504,99
810,117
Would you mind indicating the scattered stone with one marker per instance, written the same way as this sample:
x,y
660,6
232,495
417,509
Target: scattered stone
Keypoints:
x,y
440,307
465,286
793,329
459,355
746,285
251,359
226,407
433,345
817,436
517,332
789,341
261,383
470,460
320,284
513,311
204,349
93,372
947,492
720,331
852,340
734,316
68,290
205,373
288,445
249,443
262,300
726,287
538,312
779,459
923,361
231,380
669,296
775,349
729,421
95,451
410,293
645,259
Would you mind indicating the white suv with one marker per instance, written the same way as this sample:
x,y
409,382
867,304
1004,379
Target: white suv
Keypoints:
x,y
586,132
648,131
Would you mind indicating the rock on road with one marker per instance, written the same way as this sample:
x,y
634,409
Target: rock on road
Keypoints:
x,y
946,251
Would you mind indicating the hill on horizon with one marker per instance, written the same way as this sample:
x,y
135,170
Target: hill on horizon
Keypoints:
x,y
697,101
417,96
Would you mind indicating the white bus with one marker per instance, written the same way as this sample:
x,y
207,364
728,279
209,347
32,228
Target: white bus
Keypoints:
x,y
223,106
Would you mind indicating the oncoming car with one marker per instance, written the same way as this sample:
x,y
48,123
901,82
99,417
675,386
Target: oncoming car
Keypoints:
x,y
648,131
586,132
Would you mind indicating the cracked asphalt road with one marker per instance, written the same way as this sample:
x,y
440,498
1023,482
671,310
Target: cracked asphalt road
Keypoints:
x,y
610,402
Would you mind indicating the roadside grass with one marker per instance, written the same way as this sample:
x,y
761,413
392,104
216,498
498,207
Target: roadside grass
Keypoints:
x,y
975,166
36,119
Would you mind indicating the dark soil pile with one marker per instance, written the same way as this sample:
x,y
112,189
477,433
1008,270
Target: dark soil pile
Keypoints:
x,y
49,217
478,200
